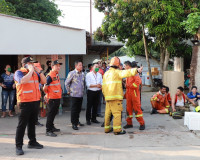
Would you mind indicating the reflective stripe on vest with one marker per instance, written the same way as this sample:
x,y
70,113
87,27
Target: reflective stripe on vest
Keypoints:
x,y
167,110
139,115
56,91
167,106
31,91
130,116
112,82
56,84
117,127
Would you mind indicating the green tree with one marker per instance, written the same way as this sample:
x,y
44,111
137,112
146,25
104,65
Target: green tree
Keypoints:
x,y
192,24
41,10
6,8
148,26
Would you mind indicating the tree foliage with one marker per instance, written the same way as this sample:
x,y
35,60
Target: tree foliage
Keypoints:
x,y
6,8
41,10
192,24
161,20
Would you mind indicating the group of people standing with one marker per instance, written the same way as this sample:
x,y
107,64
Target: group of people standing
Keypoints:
x,y
30,80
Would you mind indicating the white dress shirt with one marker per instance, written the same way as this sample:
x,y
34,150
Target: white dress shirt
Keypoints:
x,y
93,79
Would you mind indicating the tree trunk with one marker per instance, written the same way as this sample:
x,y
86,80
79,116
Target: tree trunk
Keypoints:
x,y
147,56
167,54
162,58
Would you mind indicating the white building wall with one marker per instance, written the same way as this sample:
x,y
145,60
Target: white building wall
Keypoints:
x,y
88,59
28,37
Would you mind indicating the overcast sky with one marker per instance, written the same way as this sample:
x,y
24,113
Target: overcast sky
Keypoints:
x,y
77,14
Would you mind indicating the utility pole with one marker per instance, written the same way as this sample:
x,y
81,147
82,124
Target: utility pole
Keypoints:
x,y
91,20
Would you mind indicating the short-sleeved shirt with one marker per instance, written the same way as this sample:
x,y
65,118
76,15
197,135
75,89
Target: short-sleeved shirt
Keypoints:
x,y
19,75
49,80
8,81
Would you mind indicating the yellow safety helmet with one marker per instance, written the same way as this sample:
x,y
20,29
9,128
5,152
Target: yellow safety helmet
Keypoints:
x,y
115,61
197,109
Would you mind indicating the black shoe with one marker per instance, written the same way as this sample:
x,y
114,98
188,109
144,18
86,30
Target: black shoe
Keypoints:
x,y
88,123
95,121
39,124
54,129
99,115
74,127
128,126
19,151
110,130
35,145
142,127
80,124
153,111
51,134
118,133
102,125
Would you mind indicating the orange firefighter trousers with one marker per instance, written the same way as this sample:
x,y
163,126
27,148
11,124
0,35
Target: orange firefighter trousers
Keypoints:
x,y
134,105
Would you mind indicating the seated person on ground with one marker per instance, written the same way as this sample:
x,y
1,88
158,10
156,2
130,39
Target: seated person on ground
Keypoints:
x,y
194,95
179,102
159,102
168,96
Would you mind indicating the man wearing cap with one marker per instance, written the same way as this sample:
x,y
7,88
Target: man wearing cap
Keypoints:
x,y
132,96
27,81
113,92
53,92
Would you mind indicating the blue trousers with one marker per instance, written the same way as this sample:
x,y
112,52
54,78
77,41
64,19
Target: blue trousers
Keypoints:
x,y
5,95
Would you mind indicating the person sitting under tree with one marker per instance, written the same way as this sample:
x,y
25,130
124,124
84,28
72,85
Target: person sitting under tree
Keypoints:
x,y
179,102
159,102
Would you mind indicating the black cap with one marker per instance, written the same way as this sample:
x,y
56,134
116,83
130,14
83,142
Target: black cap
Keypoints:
x,y
134,64
55,62
28,59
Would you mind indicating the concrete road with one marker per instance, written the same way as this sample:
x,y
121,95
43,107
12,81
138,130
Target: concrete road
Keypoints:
x,y
164,138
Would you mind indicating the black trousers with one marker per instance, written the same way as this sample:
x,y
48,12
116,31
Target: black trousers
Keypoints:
x,y
76,104
92,104
27,117
53,106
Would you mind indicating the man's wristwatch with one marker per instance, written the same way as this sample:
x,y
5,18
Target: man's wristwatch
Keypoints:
x,y
41,72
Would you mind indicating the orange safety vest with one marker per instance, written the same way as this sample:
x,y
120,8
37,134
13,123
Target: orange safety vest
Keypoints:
x,y
54,90
28,92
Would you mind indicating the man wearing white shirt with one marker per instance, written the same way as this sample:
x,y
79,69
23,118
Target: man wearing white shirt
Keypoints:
x,y
94,85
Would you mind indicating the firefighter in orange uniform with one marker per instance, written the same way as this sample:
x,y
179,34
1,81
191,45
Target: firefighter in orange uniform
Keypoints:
x,y
27,81
160,102
132,96
53,95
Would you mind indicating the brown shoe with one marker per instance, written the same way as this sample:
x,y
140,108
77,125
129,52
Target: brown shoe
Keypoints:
x,y
3,115
10,114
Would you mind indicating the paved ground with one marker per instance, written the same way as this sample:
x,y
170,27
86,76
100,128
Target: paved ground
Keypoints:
x,y
164,138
